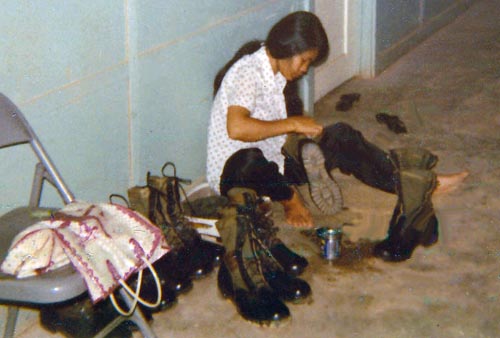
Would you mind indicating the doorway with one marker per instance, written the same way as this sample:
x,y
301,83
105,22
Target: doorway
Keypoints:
x,y
350,25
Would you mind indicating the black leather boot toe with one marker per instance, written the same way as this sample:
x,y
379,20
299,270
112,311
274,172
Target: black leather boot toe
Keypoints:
x,y
168,299
292,263
149,291
172,272
200,261
287,288
399,245
261,305
215,252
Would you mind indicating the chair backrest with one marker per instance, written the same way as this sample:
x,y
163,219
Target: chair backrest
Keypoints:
x,y
14,130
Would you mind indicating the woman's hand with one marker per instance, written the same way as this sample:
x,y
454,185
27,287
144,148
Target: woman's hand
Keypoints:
x,y
306,125
242,127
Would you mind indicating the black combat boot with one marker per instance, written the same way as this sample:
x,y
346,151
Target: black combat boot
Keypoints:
x,y
149,289
240,274
79,318
292,263
170,267
324,190
287,286
414,221
203,255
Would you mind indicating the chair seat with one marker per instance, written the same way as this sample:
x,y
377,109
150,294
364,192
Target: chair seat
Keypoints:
x,y
51,287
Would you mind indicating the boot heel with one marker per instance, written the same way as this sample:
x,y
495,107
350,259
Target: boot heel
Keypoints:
x,y
224,282
431,234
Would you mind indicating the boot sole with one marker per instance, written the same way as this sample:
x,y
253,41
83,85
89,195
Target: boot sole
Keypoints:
x,y
267,323
227,293
325,192
263,323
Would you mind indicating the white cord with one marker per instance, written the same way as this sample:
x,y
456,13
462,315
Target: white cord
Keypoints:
x,y
136,295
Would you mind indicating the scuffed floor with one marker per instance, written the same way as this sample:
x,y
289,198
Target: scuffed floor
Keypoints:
x,y
447,92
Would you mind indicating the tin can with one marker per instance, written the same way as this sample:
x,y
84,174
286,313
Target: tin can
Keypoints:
x,y
330,242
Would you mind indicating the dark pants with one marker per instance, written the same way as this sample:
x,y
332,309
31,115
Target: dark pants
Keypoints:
x,y
343,147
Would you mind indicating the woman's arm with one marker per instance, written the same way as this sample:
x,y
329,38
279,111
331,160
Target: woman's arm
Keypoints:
x,y
242,127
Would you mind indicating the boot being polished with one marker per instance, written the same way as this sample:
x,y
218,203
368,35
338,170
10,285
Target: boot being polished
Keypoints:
x,y
324,190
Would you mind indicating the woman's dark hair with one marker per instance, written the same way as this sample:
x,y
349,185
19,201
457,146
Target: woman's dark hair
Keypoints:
x,y
294,34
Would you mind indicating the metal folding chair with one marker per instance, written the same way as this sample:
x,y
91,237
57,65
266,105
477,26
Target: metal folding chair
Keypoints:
x,y
64,283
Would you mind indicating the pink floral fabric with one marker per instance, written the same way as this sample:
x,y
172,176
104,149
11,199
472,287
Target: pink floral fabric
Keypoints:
x,y
106,243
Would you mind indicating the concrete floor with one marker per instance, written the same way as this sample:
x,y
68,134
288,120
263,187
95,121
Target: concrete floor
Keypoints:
x,y
447,91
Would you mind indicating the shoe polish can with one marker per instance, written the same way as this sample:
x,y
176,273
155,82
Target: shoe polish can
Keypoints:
x,y
330,242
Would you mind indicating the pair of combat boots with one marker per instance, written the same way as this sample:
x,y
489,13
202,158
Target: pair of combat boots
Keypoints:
x,y
258,272
191,257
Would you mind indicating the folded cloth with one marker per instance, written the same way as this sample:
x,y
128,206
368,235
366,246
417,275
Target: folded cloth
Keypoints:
x,y
106,243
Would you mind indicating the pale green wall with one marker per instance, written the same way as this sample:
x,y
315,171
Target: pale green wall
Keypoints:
x,y
115,88
180,49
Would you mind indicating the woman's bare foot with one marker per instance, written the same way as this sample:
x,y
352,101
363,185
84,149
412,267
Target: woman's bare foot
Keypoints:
x,y
296,213
450,182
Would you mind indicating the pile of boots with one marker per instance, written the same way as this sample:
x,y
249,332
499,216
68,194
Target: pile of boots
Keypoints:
x,y
413,222
191,257
80,318
257,272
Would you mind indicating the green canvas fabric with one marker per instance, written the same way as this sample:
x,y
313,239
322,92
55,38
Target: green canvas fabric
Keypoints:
x,y
416,183
235,229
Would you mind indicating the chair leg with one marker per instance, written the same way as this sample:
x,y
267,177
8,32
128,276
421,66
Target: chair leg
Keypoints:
x,y
137,317
10,325
110,327
36,189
